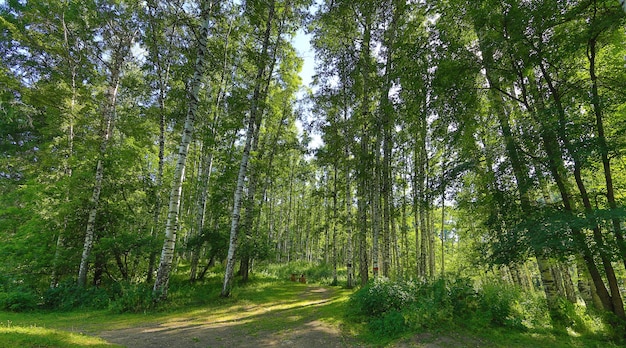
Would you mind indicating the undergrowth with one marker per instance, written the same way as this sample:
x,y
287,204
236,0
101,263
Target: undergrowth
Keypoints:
x,y
382,311
390,309
314,273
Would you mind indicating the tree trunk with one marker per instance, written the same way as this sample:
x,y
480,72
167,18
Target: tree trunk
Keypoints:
x,y
171,226
523,181
205,178
374,196
348,223
568,284
262,74
617,305
362,211
108,115
603,146
334,223
162,73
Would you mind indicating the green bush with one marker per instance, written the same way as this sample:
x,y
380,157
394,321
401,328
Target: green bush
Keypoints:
x,y
134,298
531,306
68,295
390,324
497,302
463,298
433,308
390,308
19,300
381,296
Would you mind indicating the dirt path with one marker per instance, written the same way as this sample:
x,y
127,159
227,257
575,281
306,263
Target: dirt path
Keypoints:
x,y
290,323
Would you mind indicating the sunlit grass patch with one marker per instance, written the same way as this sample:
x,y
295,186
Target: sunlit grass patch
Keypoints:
x,y
34,336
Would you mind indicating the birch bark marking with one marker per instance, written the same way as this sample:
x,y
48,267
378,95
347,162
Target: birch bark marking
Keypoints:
x,y
243,167
162,66
171,226
108,113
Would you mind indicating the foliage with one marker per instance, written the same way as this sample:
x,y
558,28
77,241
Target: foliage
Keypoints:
x,y
20,299
432,305
69,296
390,324
509,114
201,301
498,303
314,272
134,298
381,296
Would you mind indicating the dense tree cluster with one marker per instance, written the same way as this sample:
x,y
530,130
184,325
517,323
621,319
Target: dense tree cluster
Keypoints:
x,y
457,136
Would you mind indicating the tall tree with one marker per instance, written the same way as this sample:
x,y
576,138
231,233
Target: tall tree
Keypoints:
x,y
119,33
195,82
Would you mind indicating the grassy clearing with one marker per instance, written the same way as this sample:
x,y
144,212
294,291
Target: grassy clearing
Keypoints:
x,y
270,303
263,305
33,336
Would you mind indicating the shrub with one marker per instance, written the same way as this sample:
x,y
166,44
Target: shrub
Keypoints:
x,y
68,295
382,296
19,300
497,302
134,298
390,324
433,307
463,298
390,308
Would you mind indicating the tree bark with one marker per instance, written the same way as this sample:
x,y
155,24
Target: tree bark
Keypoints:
x,y
617,305
603,146
348,222
162,73
67,168
250,133
108,114
167,252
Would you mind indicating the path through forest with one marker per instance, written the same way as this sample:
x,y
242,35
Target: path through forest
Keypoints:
x,y
292,322
297,320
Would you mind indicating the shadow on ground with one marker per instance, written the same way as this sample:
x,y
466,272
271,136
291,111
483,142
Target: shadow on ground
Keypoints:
x,y
291,323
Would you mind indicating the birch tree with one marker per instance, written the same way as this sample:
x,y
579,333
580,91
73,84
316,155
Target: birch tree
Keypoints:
x,y
264,68
167,252
120,36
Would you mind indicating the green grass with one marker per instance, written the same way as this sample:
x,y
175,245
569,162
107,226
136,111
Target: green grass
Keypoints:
x,y
200,302
33,336
459,337
265,304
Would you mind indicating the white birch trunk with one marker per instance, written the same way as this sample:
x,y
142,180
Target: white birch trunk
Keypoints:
x,y
232,245
375,199
171,226
109,119
243,167
162,70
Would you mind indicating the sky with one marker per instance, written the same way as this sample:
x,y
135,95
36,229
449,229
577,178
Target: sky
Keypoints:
x,y
302,44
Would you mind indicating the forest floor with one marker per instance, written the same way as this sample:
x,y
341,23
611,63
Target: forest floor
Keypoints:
x,y
295,321
302,318
261,314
